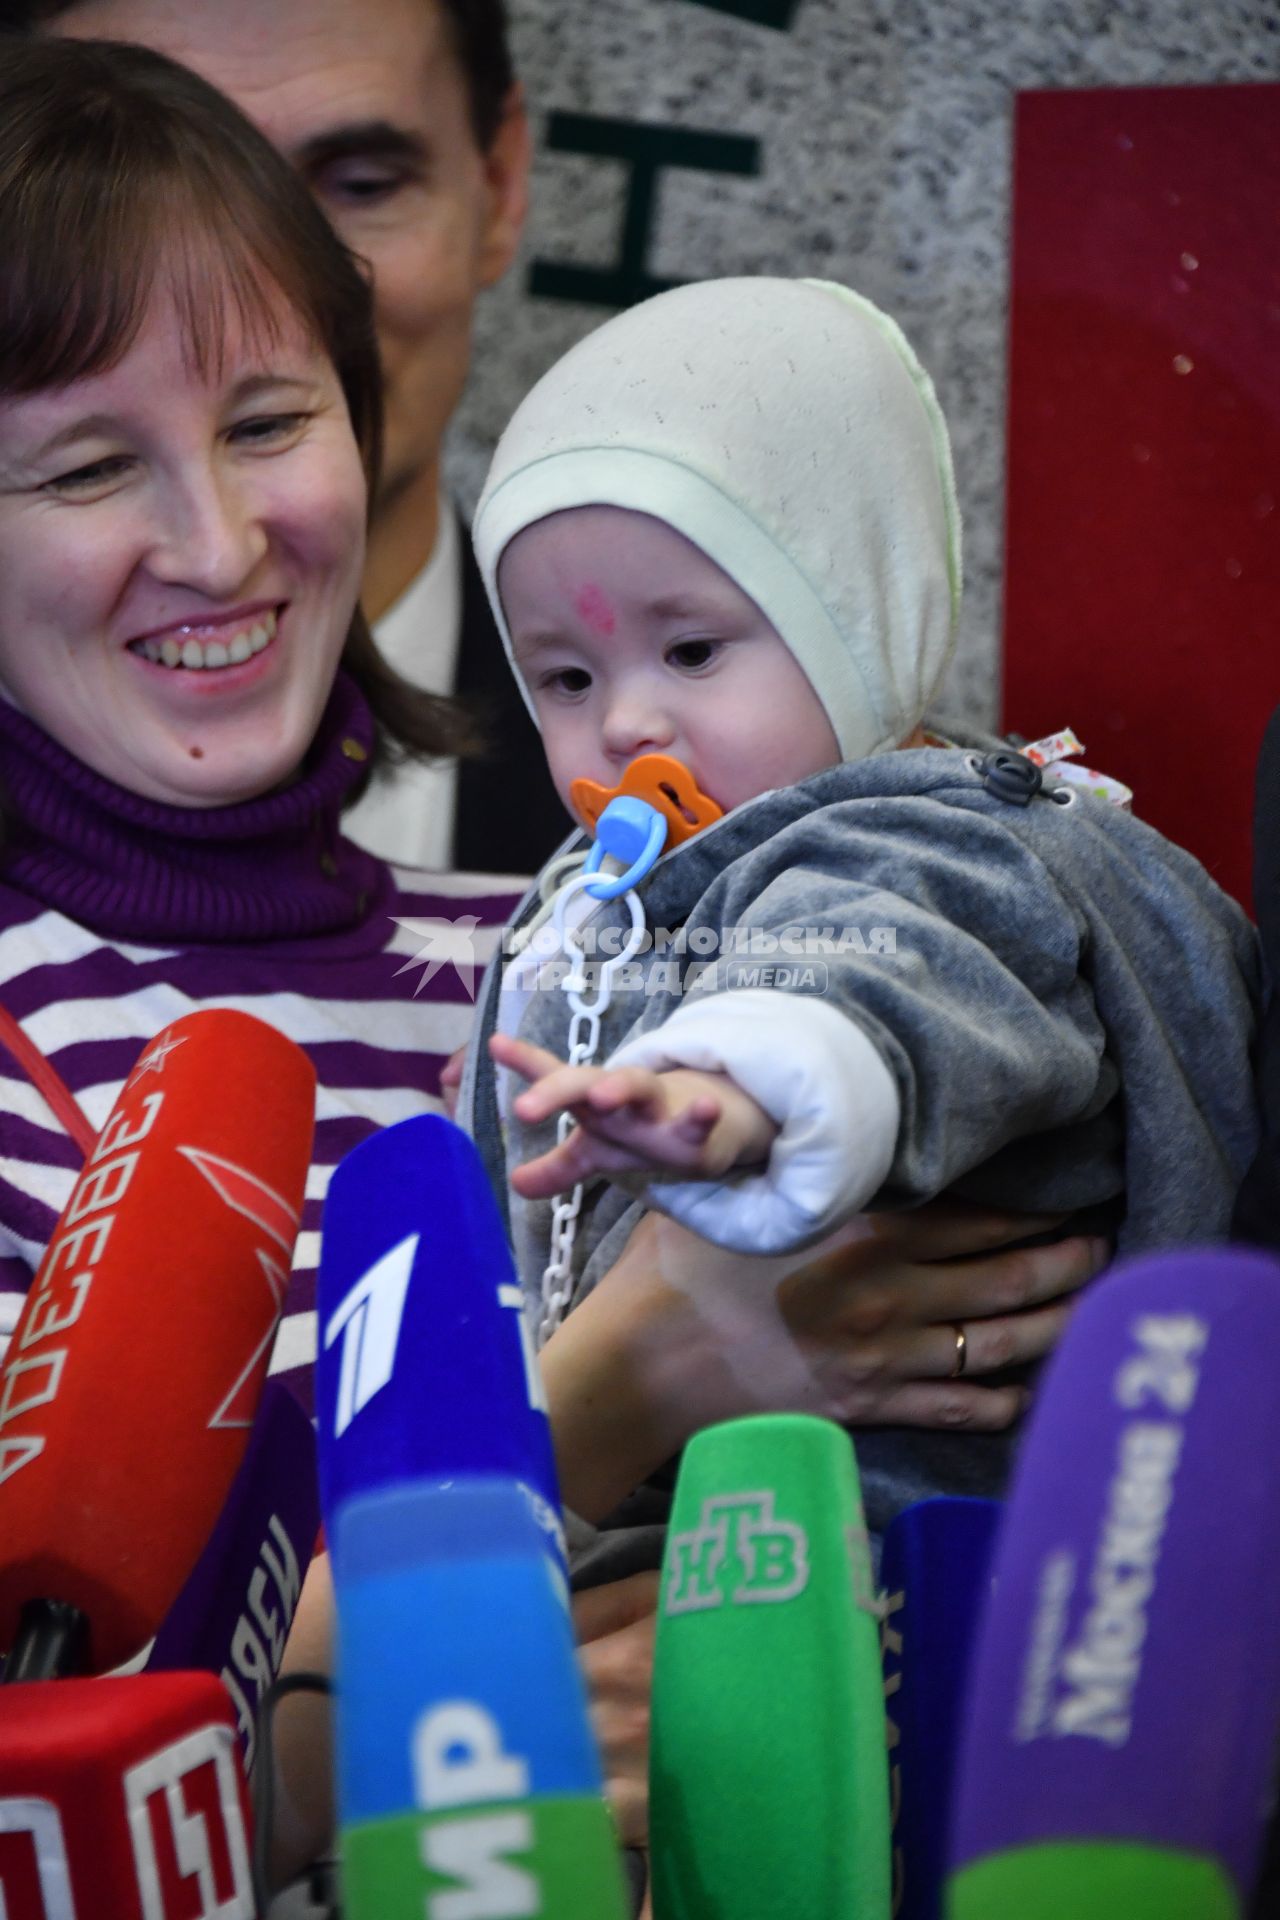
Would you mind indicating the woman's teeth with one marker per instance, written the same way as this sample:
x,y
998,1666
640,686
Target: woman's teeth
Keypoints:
x,y
190,652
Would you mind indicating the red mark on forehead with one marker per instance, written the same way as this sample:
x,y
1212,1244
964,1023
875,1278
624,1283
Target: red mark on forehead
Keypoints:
x,y
591,604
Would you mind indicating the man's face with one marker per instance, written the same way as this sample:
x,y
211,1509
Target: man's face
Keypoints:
x,y
370,104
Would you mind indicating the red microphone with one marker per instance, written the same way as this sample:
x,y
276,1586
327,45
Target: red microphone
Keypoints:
x,y
123,1799
131,1381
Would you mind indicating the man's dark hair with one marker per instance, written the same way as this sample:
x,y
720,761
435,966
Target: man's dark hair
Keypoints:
x,y
124,175
477,29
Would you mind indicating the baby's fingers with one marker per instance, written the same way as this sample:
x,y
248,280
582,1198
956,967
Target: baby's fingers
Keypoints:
x,y
594,1093
558,1090
543,1178
633,1087
579,1157
696,1124
530,1062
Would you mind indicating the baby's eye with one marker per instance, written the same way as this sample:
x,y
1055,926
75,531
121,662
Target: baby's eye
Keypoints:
x,y
566,680
689,655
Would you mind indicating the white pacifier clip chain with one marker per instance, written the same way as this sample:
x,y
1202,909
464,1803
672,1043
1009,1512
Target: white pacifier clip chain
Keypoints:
x,y
584,1037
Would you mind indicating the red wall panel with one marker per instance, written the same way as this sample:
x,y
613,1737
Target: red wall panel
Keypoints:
x,y
1142,573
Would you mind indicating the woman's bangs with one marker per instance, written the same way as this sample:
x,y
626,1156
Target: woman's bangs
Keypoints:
x,y
225,297
77,308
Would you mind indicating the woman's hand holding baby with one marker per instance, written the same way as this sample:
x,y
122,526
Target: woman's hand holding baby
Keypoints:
x,y
679,1124
637,1367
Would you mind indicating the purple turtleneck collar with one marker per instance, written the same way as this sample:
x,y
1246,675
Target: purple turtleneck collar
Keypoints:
x,y
133,869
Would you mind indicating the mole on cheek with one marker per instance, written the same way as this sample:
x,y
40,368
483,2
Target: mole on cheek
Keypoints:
x,y
197,753
591,604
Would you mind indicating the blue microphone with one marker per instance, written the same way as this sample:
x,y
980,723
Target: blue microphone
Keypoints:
x,y
468,1781
936,1576
426,1365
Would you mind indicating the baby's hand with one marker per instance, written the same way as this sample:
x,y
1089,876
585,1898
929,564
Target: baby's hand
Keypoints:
x,y
679,1124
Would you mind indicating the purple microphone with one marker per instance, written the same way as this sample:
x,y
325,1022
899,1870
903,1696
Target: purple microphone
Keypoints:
x,y
1119,1754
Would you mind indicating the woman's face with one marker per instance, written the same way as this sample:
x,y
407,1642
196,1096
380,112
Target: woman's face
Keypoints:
x,y
180,556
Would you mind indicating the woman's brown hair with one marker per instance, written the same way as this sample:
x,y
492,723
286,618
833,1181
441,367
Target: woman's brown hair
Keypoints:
x,y
117,165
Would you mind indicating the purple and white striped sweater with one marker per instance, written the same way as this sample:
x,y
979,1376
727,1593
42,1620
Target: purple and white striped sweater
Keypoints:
x,y
118,914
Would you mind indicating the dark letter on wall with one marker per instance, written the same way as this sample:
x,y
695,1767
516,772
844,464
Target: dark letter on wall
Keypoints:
x,y
760,13
647,150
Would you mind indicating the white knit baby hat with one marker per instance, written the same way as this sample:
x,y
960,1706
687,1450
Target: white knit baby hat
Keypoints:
x,y
787,429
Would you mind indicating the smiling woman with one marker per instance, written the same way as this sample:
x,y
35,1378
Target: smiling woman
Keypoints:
x,y
405,122
189,395
189,425
180,557
189,697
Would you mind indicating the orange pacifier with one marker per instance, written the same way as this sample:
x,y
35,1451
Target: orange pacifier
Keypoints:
x,y
657,804
664,783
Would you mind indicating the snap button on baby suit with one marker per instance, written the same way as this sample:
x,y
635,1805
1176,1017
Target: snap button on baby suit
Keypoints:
x,y
1010,776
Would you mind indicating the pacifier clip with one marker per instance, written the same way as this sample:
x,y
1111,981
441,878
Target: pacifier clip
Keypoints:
x,y
657,805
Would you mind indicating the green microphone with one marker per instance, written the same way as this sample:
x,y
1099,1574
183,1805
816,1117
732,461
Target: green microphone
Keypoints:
x,y
769,1779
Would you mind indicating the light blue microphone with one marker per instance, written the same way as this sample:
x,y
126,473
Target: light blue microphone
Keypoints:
x,y
468,1776
468,1780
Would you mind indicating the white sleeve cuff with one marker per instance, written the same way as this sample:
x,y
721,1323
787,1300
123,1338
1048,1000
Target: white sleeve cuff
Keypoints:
x,y
818,1076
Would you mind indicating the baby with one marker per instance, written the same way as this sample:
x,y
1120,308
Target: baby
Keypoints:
x,y
724,528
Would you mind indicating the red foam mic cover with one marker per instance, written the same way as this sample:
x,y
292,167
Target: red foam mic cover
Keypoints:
x,y
122,1799
131,1381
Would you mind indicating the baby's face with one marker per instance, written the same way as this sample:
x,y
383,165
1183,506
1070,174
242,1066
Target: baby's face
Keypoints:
x,y
632,641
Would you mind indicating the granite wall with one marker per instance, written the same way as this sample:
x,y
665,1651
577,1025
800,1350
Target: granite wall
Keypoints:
x,y
865,140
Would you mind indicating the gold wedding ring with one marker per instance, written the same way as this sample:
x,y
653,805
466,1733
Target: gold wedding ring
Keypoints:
x,y
962,1350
